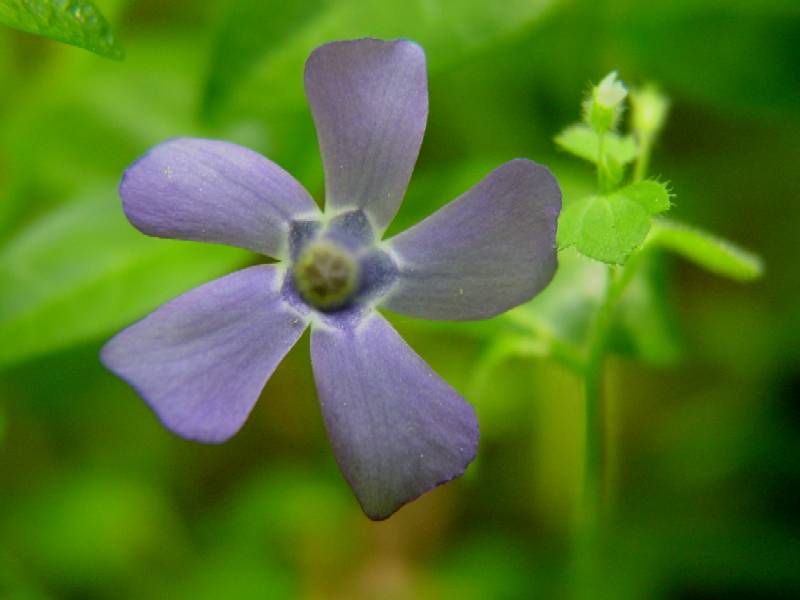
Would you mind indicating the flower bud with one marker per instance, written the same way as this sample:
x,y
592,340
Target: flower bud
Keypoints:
x,y
649,111
603,106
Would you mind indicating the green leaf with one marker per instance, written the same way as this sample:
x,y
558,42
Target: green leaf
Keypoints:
x,y
250,29
82,271
646,324
608,228
652,195
113,113
558,321
75,22
582,141
117,518
446,29
706,250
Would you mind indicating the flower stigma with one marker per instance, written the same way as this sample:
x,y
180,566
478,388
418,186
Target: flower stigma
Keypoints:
x,y
326,275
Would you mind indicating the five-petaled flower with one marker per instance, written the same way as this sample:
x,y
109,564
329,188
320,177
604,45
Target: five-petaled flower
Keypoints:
x,y
201,360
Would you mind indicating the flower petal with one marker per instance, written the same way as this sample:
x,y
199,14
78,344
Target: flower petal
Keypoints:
x,y
369,99
487,251
397,429
201,360
213,191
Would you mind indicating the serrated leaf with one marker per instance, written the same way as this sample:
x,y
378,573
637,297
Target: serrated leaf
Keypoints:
x,y
652,195
608,228
446,29
579,139
75,22
82,271
605,228
706,250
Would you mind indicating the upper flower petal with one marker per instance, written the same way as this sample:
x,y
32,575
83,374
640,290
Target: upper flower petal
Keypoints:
x,y
213,191
201,360
488,250
369,99
397,429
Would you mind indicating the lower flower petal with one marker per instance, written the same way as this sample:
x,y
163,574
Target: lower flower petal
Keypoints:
x,y
397,429
487,251
201,360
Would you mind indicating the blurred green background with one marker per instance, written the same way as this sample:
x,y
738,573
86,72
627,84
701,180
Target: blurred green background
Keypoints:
x,y
98,500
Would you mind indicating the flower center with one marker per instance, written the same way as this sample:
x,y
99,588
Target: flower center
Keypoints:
x,y
326,275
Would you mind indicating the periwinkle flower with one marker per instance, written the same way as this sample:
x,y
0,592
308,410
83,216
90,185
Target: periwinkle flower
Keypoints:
x,y
201,360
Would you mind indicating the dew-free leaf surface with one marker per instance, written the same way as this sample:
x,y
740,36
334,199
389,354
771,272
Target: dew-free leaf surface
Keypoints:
x,y
706,250
582,141
256,60
75,22
82,270
609,227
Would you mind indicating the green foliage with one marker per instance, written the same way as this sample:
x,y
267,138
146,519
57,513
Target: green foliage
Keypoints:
x,y
267,514
706,250
649,109
446,29
646,325
76,22
116,521
603,105
609,227
582,141
250,30
557,323
59,290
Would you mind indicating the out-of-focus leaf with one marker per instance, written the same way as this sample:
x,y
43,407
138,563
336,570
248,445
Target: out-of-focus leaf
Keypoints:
x,y
706,250
556,323
15,582
76,22
447,30
581,140
485,566
88,120
87,531
760,49
232,573
304,507
646,324
82,270
564,309
250,30
608,228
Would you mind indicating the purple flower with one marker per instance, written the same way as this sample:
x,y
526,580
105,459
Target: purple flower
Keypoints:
x,y
201,360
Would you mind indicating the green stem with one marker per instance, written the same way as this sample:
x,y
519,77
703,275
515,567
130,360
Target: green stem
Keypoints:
x,y
601,162
643,159
593,383
587,549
